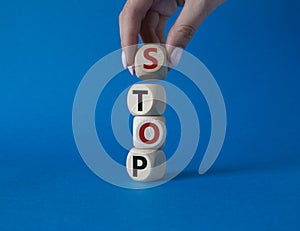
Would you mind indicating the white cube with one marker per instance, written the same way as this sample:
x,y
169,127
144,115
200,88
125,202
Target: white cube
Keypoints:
x,y
146,164
149,132
151,62
146,99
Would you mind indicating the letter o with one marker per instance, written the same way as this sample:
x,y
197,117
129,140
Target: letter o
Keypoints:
x,y
142,133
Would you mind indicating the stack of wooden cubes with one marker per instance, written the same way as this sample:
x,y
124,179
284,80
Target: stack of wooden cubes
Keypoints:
x,y
147,103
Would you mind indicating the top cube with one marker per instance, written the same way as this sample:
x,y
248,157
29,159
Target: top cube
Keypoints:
x,y
151,62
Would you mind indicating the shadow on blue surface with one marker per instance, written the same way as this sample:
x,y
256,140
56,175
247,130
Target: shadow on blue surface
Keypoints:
x,y
279,164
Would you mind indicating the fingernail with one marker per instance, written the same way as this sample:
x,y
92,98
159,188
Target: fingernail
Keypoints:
x,y
124,60
130,69
176,56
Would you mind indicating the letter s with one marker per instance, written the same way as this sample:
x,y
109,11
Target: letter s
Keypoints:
x,y
150,58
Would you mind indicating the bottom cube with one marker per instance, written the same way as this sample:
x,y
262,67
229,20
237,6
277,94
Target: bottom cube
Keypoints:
x,y
146,164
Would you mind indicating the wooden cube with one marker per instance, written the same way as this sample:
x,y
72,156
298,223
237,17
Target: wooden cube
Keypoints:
x,y
151,62
146,99
149,132
146,164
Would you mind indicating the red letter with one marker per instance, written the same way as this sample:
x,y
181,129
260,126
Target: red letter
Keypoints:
x,y
151,58
142,133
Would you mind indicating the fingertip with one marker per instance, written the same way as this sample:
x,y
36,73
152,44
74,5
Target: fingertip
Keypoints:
x,y
124,62
174,54
128,55
131,70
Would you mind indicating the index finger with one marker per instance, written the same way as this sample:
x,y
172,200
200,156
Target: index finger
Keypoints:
x,y
130,20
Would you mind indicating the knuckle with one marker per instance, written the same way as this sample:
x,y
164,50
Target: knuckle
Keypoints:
x,y
186,31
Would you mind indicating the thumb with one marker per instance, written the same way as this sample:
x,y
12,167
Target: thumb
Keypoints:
x,y
192,15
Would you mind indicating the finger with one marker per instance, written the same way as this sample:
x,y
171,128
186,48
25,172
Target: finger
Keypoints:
x,y
190,18
148,27
130,23
160,29
186,24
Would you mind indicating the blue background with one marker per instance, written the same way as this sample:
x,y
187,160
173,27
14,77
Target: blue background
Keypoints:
x,y
252,49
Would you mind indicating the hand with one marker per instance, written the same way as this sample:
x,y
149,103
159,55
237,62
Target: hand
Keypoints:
x,y
147,18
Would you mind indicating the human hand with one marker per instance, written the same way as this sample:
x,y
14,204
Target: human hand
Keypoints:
x,y
147,18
